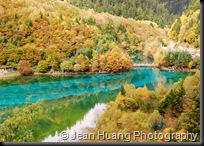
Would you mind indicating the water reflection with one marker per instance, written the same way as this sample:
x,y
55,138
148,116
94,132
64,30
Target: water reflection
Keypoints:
x,y
35,88
83,126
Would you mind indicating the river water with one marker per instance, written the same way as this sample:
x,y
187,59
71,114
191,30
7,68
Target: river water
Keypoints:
x,y
81,127
34,88
92,92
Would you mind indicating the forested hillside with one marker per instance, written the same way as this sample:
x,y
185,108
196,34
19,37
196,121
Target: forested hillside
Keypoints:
x,y
187,27
44,36
69,44
163,12
174,110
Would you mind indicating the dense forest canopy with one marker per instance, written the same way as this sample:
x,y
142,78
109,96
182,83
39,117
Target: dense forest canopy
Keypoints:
x,y
174,110
176,7
55,36
187,27
163,12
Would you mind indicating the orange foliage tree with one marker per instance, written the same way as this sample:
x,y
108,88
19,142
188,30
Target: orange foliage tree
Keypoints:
x,y
24,68
115,60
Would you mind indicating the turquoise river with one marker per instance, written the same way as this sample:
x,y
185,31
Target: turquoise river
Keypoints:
x,y
34,88
73,101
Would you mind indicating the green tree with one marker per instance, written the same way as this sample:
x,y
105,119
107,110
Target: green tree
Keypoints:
x,y
3,58
67,65
190,118
156,121
122,90
174,100
156,12
17,128
43,66
13,60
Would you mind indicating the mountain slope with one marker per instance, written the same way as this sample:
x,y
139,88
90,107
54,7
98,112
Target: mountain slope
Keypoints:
x,y
141,115
176,7
160,11
56,36
187,27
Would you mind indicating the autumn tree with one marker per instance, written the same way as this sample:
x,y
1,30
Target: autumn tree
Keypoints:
x,y
83,62
55,65
43,66
175,29
77,67
17,127
156,121
3,59
187,27
160,58
190,118
95,61
24,68
67,65
115,60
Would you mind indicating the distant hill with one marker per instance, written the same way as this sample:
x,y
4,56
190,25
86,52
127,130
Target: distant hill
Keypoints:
x,y
163,12
176,7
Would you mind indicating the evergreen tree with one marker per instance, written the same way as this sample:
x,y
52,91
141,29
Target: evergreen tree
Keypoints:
x,y
153,10
173,100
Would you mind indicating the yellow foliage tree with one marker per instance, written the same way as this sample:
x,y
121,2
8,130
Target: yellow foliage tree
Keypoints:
x,y
142,93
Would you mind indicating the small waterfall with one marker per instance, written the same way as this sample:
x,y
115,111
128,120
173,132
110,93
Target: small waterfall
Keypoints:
x,y
90,120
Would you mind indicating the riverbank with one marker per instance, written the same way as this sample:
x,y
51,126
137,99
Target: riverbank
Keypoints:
x,y
55,73
14,74
177,70
9,75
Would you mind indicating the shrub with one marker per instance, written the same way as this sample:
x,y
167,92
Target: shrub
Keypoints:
x,y
24,68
